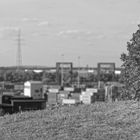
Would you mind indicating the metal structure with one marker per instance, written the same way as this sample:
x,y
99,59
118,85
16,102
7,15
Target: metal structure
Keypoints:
x,y
13,104
64,73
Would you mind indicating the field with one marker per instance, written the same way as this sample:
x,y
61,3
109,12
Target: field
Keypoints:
x,y
99,121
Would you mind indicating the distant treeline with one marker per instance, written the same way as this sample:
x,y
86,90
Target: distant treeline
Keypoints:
x,y
48,77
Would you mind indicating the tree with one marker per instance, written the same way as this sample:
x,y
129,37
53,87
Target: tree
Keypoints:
x,y
49,77
130,74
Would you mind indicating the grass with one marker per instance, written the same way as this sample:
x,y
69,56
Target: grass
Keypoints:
x,y
99,121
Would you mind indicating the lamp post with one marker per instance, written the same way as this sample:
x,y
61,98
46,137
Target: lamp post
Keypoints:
x,y
62,71
78,80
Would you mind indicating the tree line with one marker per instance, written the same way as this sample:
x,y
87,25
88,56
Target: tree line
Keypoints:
x,y
49,78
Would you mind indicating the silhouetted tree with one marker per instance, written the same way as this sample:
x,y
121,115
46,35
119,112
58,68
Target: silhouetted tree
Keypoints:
x,y
130,74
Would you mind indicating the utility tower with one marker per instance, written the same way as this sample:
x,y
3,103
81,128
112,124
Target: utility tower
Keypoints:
x,y
19,53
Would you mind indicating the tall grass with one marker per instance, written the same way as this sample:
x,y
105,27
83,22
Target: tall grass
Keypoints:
x,y
99,121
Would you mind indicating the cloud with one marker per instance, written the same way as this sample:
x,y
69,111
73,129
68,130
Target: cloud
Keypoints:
x,y
68,32
38,21
9,28
43,23
100,36
81,34
29,19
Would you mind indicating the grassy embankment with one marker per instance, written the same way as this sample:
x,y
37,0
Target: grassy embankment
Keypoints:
x,y
100,121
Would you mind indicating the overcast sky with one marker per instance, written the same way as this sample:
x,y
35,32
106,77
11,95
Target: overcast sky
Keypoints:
x,y
95,30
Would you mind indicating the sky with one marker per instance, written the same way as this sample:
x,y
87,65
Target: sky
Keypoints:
x,y
84,32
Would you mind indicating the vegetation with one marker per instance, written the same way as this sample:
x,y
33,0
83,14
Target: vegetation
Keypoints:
x,y
20,76
99,121
50,78
107,77
131,67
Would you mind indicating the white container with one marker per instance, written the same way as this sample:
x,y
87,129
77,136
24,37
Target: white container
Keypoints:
x,y
53,90
71,89
94,90
68,101
83,93
86,99
87,93
33,89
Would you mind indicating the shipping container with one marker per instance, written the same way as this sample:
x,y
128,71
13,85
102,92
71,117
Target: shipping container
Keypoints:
x,y
52,98
63,95
68,102
19,87
53,90
33,89
70,89
75,96
94,90
87,99
100,96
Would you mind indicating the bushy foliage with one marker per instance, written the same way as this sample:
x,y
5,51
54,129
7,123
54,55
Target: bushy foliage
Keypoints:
x,y
20,76
131,67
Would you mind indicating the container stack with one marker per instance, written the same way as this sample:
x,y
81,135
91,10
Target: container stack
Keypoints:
x,y
45,88
53,90
93,90
63,95
33,89
87,97
75,96
70,89
52,97
68,102
19,87
100,96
